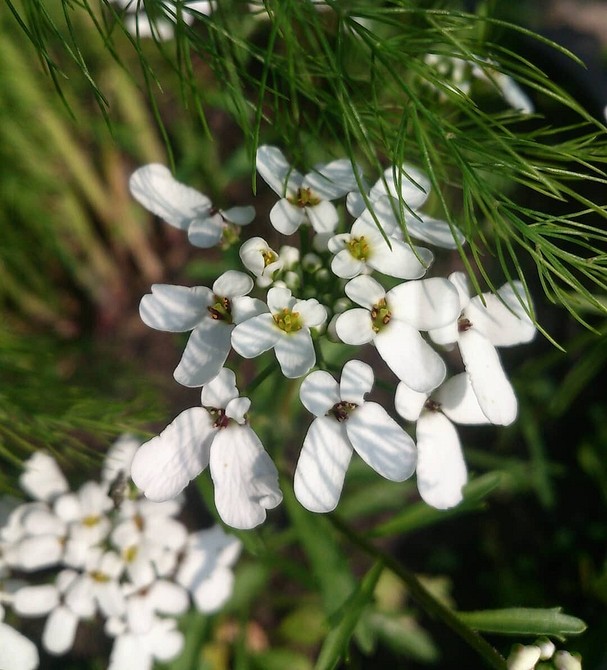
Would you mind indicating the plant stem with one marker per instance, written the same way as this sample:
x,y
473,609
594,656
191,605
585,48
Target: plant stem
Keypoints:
x,y
424,597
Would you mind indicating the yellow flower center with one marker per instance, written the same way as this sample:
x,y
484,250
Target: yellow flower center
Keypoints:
x,y
304,198
221,310
359,248
288,321
380,315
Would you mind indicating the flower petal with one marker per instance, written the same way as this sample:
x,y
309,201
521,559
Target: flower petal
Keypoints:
x,y
175,308
356,381
433,231
160,193
441,469
323,217
35,600
295,353
311,312
286,218
245,478
491,386
401,260
458,401
276,171
354,326
256,335
365,291
241,216
164,465
425,304
332,180
233,284
408,183
319,392
322,465
344,265
206,232
219,391
60,631
205,353
42,479
16,651
409,403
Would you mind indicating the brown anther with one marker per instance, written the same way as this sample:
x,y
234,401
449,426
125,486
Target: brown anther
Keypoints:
x,y
463,325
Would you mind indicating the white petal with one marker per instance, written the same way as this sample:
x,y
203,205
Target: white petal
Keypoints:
x,y
491,386
241,216
16,651
319,392
36,553
244,308
312,313
252,253
232,284
60,631
210,592
433,231
285,217
168,598
356,380
204,354
295,353
277,171
237,408
425,304
381,442
279,298
460,281
408,182
365,291
409,403
175,308
332,180
446,336
345,265
322,465
128,653
355,203
401,260
206,232
355,326
410,358
245,478
163,466
218,392
441,470
155,188
256,335
458,401
323,217
35,600
165,642
42,479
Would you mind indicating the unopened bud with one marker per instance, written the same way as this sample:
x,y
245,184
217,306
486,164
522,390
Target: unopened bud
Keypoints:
x,y
563,660
523,657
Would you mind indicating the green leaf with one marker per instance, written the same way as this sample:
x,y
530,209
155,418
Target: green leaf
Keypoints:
x,y
336,642
524,621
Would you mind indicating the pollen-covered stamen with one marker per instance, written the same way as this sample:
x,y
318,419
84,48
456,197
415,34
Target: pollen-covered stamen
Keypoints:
x,y
221,419
287,320
432,405
221,310
99,576
380,315
359,248
304,198
91,520
269,257
130,554
342,410
463,324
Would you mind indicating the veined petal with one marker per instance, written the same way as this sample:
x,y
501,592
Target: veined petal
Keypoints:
x,y
356,381
319,392
42,479
206,232
35,600
333,180
241,216
175,308
365,291
276,171
322,465
458,401
410,358
245,478
233,284
354,326
323,217
205,353
434,231
409,403
400,261
381,442
441,469
491,386
159,192
60,631
164,465
219,391
295,353
425,304
286,218
256,335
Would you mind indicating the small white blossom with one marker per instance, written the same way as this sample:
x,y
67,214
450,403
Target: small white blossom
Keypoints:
x,y
183,207
211,316
261,260
16,651
500,322
217,435
392,321
41,478
345,422
304,199
286,329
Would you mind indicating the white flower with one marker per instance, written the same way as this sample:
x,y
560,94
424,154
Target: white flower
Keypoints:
x,y
441,469
140,24
261,260
216,434
209,314
144,604
345,421
183,207
501,322
205,569
411,187
304,199
364,249
392,321
16,651
42,479
286,329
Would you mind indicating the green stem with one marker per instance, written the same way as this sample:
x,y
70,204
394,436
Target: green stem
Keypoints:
x,y
424,597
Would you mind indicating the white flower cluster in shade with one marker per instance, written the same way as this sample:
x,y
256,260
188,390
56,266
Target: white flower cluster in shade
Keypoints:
x,y
542,654
103,552
358,278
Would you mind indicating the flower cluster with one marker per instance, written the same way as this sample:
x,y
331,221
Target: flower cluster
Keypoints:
x,y
104,551
542,654
356,278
